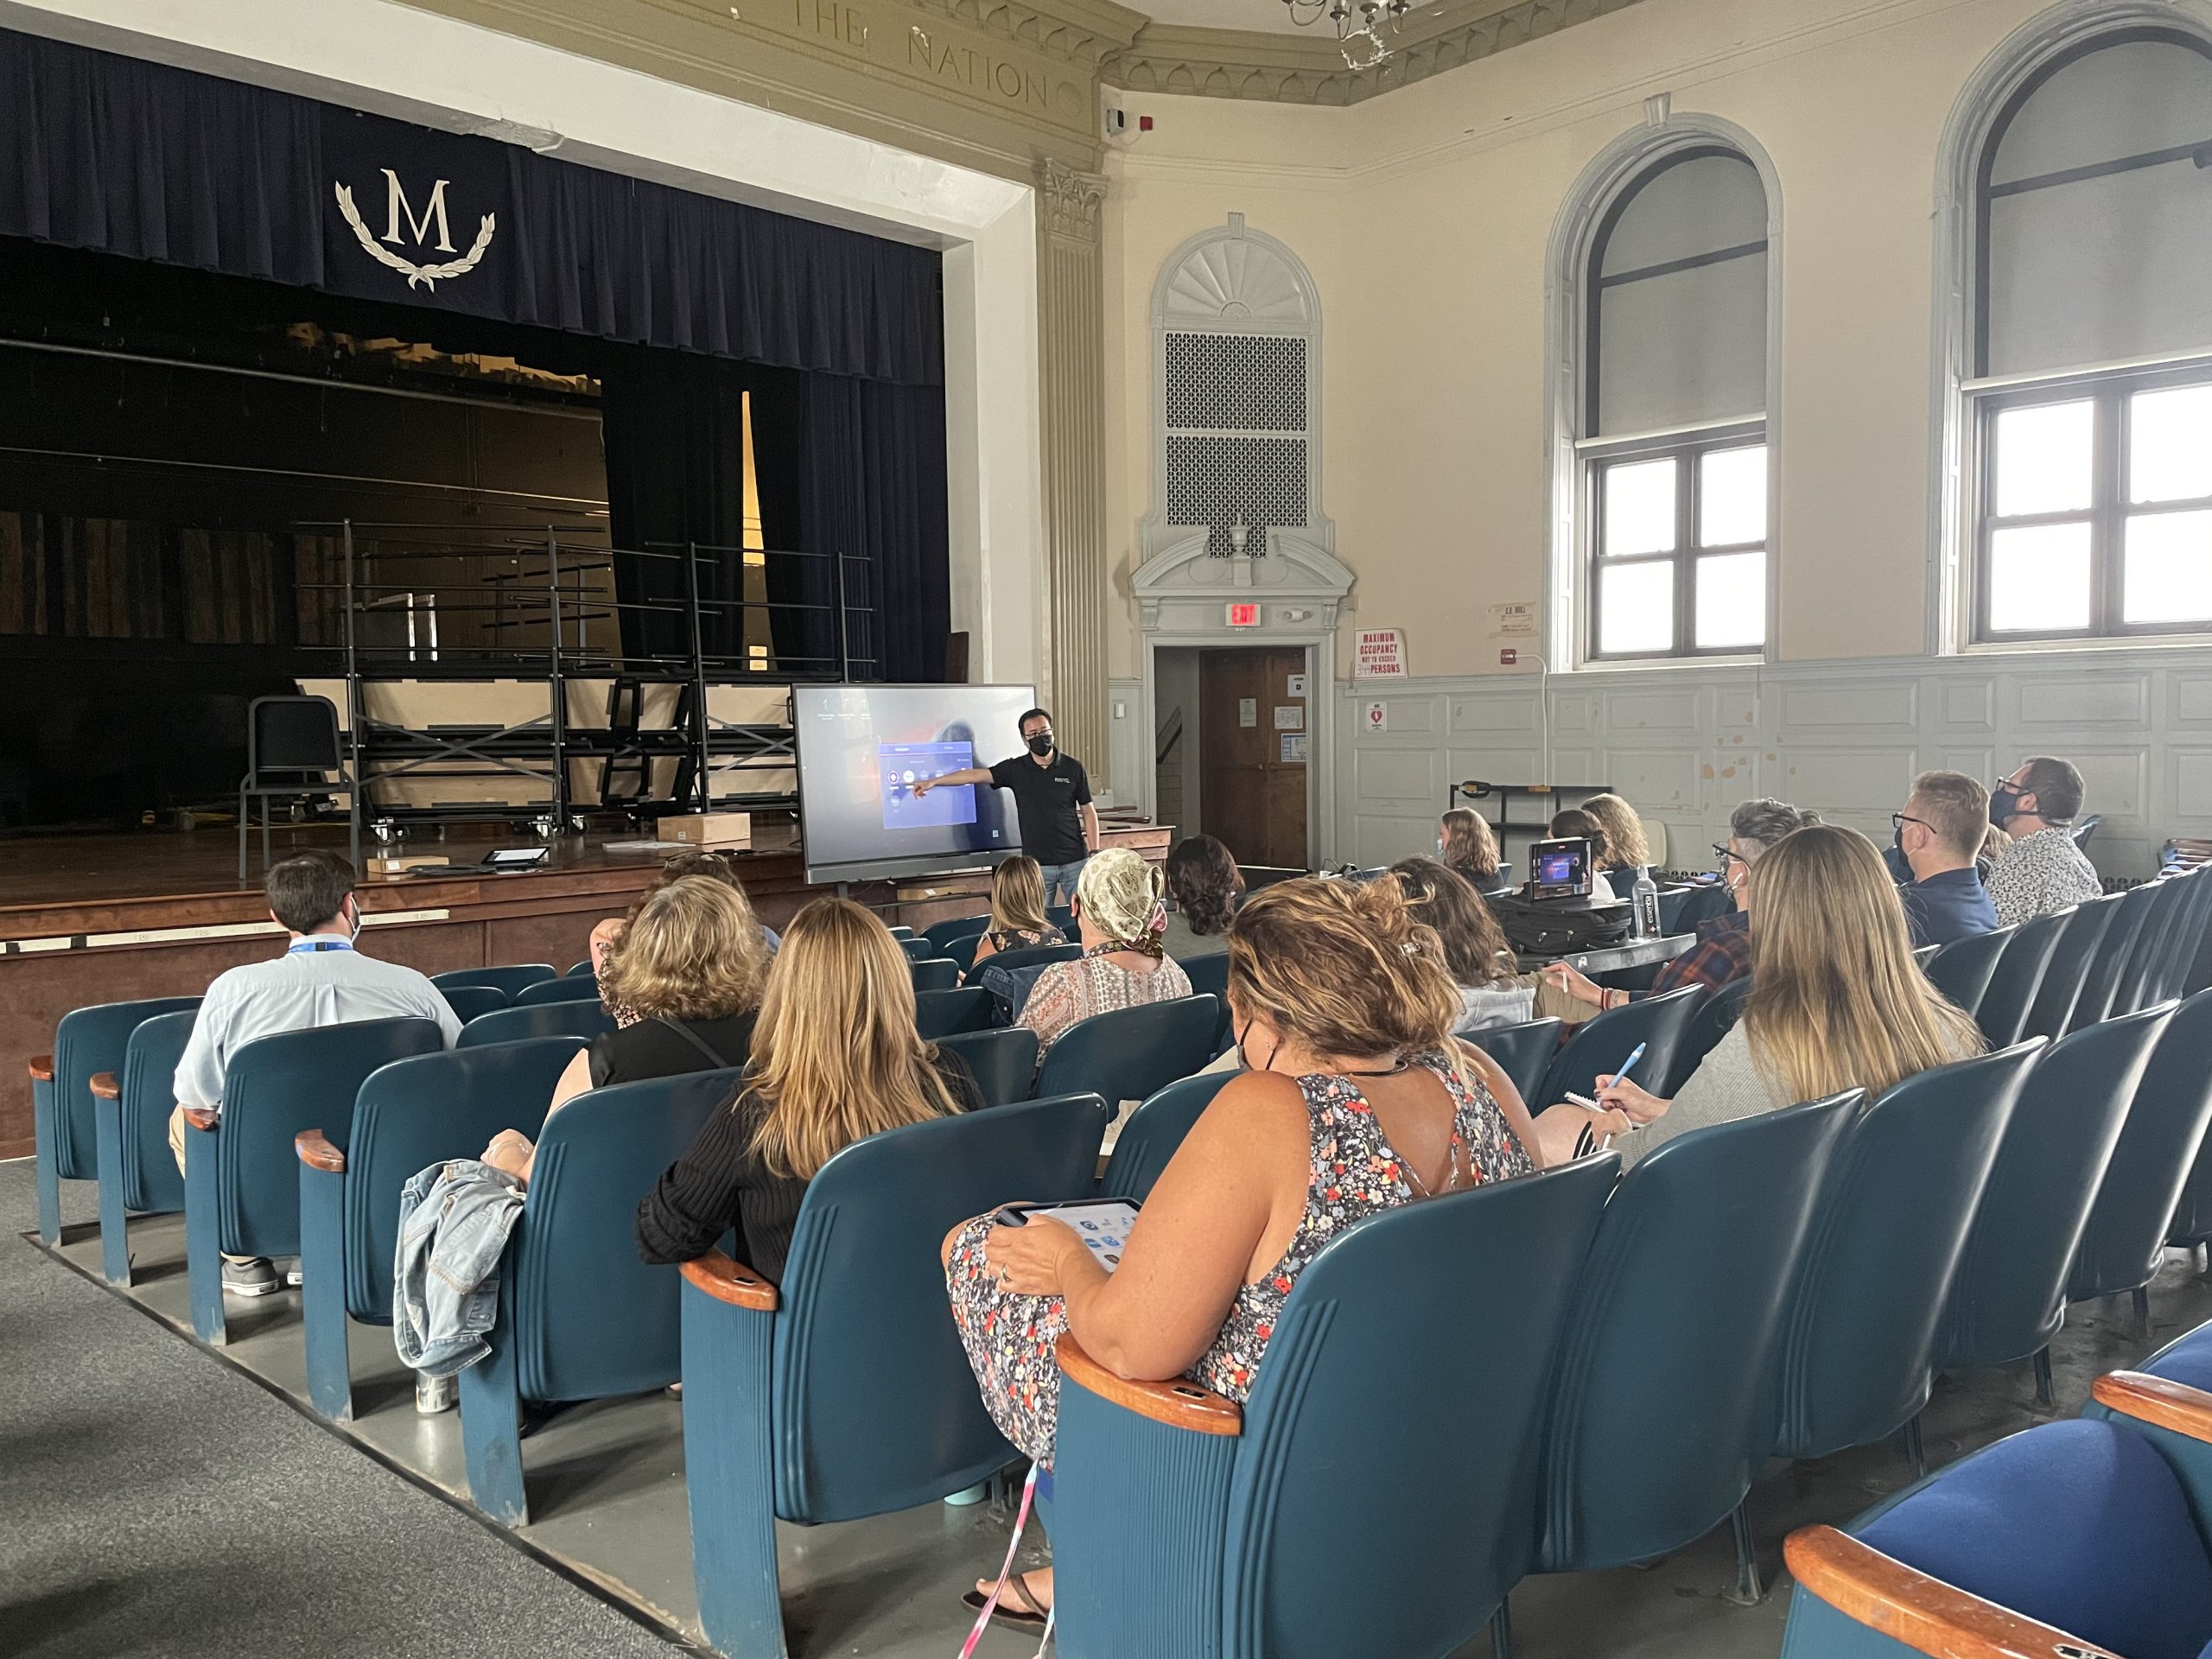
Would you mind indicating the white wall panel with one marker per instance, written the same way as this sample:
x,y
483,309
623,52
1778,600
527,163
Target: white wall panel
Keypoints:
x,y
1973,704
1627,710
2085,702
1850,708
1399,777
2192,698
2192,784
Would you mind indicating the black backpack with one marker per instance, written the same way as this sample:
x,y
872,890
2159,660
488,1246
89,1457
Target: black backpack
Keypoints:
x,y
1545,928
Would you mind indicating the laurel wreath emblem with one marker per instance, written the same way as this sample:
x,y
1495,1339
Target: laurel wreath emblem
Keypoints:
x,y
429,276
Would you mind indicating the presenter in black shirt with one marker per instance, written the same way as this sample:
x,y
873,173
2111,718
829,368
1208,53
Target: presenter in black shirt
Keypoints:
x,y
1051,798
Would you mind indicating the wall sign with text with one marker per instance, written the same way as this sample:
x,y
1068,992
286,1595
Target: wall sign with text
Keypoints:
x,y
1380,654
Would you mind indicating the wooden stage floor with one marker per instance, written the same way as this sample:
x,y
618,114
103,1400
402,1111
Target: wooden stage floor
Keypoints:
x,y
46,877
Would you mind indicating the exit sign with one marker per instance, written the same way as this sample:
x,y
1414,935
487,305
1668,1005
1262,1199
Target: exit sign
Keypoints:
x,y
1244,616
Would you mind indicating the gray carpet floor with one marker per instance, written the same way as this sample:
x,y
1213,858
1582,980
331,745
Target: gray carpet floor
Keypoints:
x,y
153,1501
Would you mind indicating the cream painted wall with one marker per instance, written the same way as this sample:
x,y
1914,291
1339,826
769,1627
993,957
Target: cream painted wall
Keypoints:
x,y
1425,216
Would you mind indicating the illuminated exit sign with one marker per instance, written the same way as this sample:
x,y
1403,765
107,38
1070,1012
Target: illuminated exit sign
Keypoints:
x,y
1244,616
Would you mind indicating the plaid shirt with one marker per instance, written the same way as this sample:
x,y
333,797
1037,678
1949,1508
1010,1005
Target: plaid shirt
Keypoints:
x,y
1723,952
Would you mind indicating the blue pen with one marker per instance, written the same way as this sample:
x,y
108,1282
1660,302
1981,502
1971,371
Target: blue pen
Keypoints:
x,y
1628,1064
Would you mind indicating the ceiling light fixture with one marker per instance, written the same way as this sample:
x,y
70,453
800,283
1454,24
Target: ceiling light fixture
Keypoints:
x,y
1360,25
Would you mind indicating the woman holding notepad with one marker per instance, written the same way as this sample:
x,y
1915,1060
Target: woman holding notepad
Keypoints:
x,y
1356,1099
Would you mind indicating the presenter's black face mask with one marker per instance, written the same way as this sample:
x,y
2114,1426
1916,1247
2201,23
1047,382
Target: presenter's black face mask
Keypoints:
x,y
1041,743
2004,803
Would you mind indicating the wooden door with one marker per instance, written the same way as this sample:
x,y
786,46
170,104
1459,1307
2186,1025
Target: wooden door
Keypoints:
x,y
1255,737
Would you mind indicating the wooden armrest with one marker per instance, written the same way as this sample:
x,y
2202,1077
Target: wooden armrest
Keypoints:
x,y
41,1068
317,1151
2156,1401
200,1117
1927,1615
105,1086
1178,1402
725,1281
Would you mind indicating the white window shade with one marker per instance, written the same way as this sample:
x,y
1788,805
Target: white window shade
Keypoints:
x,y
1678,312
2099,240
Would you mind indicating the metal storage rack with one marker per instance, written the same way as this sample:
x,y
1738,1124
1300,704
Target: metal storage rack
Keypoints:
x,y
543,601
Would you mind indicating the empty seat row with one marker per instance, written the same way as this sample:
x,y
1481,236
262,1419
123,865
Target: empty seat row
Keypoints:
x,y
2088,1539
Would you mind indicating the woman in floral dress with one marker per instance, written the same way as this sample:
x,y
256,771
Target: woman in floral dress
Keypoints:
x,y
1356,1099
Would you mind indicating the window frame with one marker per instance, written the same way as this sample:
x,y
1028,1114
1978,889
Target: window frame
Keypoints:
x,y
1992,140
2109,510
1686,450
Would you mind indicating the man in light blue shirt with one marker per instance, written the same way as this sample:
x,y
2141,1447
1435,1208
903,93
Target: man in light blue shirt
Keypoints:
x,y
320,980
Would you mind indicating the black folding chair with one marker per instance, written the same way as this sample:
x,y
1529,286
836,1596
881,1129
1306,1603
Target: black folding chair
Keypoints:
x,y
293,752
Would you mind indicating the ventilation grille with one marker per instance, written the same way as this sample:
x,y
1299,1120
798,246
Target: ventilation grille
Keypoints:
x,y
1223,391
1235,383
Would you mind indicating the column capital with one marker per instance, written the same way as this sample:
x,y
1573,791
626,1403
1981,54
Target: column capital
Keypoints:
x,y
1071,199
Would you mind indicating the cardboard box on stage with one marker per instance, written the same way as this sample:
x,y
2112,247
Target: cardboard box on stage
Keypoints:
x,y
707,829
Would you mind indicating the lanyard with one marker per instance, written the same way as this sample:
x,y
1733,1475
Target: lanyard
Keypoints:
x,y
298,946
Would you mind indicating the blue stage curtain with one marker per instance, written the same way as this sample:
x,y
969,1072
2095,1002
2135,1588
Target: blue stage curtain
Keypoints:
x,y
107,152
675,480
875,492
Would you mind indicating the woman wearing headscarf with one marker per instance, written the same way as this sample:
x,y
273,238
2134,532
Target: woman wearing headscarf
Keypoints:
x,y
1119,911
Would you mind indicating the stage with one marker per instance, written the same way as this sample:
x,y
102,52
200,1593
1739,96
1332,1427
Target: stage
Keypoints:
x,y
90,918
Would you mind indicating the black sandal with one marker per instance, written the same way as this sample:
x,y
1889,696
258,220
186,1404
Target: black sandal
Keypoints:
x,y
1034,1616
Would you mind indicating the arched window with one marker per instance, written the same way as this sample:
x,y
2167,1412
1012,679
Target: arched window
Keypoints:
x,y
2089,371
1670,439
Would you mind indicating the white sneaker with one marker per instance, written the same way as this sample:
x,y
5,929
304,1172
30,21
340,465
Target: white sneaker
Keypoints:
x,y
435,1394
248,1276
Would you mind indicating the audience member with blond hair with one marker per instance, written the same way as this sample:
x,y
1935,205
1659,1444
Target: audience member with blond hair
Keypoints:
x,y
1017,909
1124,964
836,1059
1356,1099
606,935
1467,846
1836,1001
690,971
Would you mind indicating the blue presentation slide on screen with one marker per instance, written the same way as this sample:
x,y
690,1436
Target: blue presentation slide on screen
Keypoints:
x,y
904,765
863,749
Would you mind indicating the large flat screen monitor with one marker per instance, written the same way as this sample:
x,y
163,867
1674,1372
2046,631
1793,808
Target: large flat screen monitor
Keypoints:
x,y
862,748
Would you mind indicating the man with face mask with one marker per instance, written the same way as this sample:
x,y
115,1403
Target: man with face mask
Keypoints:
x,y
1052,796
320,980
1938,834
2043,870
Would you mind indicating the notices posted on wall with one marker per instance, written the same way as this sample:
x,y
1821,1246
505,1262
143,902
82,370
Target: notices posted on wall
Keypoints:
x,y
1381,654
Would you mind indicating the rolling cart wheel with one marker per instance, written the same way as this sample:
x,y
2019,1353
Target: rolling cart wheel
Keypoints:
x,y
542,827
385,831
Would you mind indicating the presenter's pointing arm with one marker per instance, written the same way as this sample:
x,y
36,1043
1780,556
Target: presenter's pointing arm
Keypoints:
x,y
966,775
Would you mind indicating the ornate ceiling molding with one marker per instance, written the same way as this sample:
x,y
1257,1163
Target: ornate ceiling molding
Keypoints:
x,y
1084,31
1302,69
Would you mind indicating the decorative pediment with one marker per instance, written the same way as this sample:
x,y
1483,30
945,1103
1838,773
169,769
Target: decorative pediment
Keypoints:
x,y
1296,569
